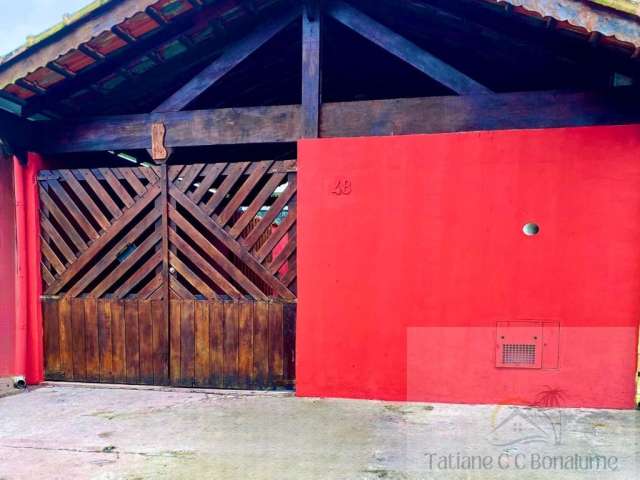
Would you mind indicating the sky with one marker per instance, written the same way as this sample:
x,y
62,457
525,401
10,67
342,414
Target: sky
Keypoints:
x,y
19,18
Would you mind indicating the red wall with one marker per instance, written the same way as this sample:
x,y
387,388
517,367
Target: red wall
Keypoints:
x,y
402,281
7,269
32,283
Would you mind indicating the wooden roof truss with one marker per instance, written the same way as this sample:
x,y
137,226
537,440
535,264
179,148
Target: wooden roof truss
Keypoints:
x,y
474,107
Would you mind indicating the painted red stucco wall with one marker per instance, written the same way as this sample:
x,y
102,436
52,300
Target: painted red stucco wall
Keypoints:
x,y
30,248
24,280
7,269
410,250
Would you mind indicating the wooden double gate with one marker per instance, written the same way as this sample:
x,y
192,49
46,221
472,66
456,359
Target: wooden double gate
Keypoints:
x,y
182,275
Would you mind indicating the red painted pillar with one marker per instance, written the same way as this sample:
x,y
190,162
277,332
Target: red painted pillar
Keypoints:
x,y
29,337
8,344
20,304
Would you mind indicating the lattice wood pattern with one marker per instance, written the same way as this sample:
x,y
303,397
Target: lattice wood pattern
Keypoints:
x,y
101,233
232,230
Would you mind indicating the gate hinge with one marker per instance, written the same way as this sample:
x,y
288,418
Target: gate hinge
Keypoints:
x,y
50,297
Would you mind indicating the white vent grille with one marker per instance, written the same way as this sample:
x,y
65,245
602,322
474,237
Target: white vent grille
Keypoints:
x,y
518,354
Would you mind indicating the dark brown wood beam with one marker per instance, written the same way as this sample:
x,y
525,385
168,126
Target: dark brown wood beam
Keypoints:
x,y
186,128
230,58
405,49
504,111
311,68
346,119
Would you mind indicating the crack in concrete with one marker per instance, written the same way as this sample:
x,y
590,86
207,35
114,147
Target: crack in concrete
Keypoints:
x,y
171,454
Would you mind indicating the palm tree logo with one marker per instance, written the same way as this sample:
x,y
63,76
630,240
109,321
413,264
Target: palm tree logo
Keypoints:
x,y
540,422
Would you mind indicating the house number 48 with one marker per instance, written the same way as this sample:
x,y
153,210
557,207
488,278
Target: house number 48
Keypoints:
x,y
342,186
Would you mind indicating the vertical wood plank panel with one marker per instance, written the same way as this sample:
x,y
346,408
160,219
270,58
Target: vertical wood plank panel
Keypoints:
x,y
146,342
51,322
261,344
245,344
174,347
91,338
105,341
79,353
289,327
132,342
230,344
118,336
187,343
202,343
216,344
160,343
66,339
166,366
276,339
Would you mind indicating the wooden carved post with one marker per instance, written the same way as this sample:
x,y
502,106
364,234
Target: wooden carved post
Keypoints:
x,y
158,150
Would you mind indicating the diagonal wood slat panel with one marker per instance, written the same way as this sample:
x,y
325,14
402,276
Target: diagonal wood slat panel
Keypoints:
x,y
225,188
227,265
58,215
111,256
85,198
73,209
277,235
92,267
242,193
101,193
256,205
211,174
271,215
285,254
242,253
203,265
117,187
56,240
122,269
252,231
189,174
139,274
51,257
232,270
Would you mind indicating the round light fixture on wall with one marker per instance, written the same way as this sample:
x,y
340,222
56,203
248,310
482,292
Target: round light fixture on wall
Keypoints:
x,y
531,229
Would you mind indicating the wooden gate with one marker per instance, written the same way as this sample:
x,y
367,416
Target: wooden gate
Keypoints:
x,y
179,275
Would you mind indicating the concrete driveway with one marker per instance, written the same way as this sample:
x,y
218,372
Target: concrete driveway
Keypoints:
x,y
124,433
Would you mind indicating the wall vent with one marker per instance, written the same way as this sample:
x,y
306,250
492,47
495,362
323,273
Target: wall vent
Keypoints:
x,y
517,353
519,344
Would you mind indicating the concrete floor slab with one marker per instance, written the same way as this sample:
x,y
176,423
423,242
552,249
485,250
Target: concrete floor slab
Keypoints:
x,y
62,432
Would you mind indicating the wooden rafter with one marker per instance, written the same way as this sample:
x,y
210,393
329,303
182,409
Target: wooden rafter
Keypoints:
x,y
405,50
230,58
379,117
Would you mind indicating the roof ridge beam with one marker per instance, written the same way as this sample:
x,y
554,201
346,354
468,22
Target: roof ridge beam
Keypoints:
x,y
406,50
233,55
